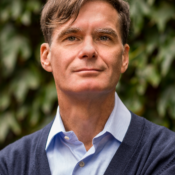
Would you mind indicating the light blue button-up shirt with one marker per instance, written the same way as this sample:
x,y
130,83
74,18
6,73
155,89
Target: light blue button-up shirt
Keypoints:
x,y
68,156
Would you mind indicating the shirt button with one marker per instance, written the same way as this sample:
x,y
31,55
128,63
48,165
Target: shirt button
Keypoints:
x,y
66,138
81,164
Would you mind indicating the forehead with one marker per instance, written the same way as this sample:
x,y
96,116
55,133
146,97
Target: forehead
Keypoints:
x,y
98,9
93,14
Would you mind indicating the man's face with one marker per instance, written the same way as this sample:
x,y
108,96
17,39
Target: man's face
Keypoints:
x,y
87,56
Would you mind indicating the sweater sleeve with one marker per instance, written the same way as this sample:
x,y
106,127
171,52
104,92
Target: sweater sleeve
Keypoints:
x,y
3,166
169,169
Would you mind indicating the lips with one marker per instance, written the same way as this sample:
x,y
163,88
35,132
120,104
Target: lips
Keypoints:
x,y
87,70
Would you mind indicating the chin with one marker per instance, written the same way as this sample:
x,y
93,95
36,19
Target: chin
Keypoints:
x,y
91,89
87,87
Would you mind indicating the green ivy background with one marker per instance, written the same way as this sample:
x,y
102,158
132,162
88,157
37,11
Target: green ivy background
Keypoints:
x,y
28,99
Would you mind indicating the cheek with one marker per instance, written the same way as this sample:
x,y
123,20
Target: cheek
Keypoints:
x,y
60,58
61,61
113,60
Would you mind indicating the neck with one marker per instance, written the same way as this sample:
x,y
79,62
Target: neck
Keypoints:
x,y
86,116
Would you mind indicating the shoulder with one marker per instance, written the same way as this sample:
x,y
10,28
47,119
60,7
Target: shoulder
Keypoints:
x,y
154,150
20,155
22,144
158,136
151,131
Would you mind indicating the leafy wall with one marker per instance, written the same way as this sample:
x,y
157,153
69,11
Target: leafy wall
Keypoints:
x,y
28,99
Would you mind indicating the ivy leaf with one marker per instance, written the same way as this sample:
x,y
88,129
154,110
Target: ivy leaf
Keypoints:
x,y
13,44
167,55
162,14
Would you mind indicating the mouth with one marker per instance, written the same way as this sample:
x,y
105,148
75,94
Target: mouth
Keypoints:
x,y
88,70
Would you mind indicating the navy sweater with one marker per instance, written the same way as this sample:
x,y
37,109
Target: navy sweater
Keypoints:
x,y
147,149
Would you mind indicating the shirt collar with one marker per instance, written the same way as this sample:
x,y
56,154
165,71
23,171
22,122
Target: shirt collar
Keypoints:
x,y
119,120
56,128
117,124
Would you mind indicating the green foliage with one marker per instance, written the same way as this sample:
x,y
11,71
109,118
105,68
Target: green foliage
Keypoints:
x,y
148,87
28,97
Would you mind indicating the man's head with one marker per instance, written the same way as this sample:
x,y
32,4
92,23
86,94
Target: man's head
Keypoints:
x,y
87,54
57,12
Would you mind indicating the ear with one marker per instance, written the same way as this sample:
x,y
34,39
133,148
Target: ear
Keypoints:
x,y
125,58
45,57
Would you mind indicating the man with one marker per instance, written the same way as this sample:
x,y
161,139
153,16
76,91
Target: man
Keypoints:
x,y
93,132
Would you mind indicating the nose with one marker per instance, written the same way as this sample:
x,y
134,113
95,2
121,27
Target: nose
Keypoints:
x,y
88,49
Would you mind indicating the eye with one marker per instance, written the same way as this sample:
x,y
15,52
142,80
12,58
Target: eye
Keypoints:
x,y
104,38
71,38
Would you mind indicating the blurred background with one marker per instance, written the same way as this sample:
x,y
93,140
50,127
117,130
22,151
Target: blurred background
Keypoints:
x,y
28,98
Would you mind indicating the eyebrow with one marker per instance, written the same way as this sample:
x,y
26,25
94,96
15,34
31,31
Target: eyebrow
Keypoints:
x,y
68,31
108,31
